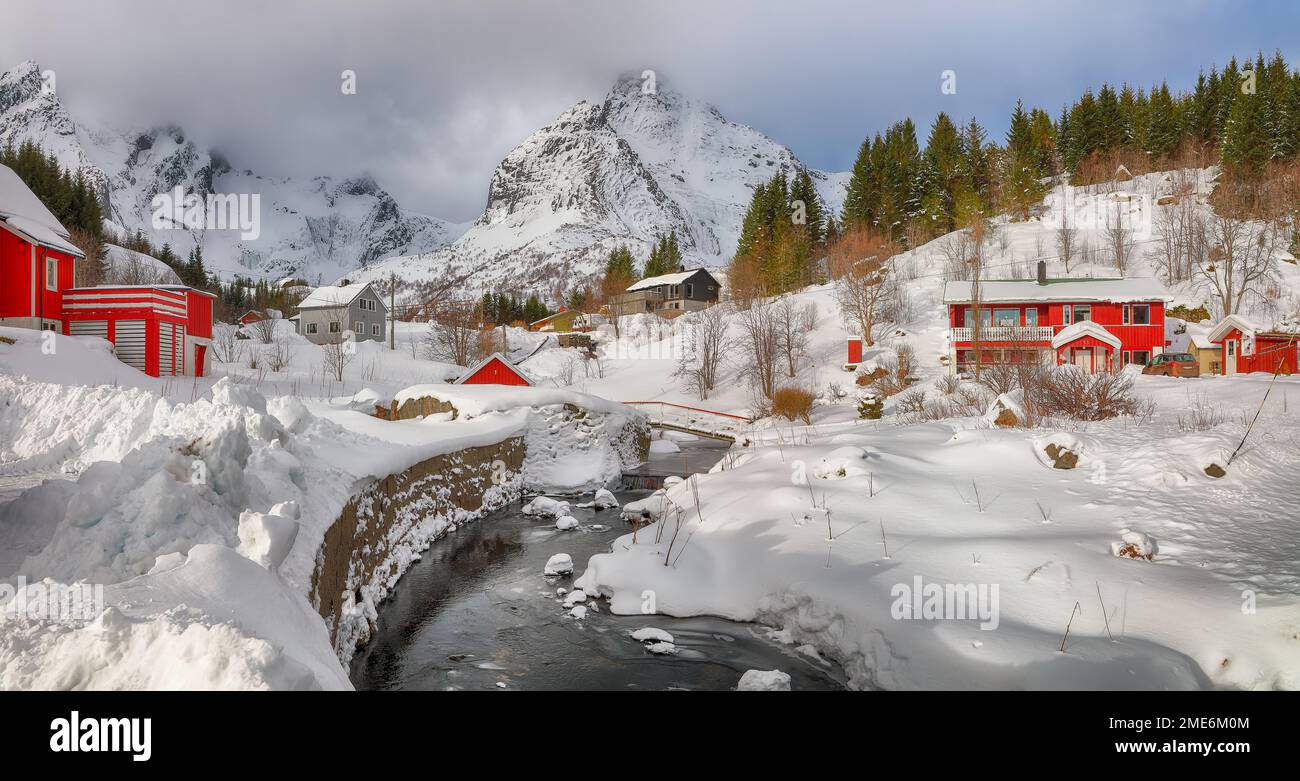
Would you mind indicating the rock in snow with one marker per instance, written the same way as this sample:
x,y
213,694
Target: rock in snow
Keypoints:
x,y
577,596
546,506
604,500
764,681
559,564
566,522
650,633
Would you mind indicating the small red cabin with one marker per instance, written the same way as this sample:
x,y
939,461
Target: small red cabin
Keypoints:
x,y
495,369
1246,347
250,317
1100,325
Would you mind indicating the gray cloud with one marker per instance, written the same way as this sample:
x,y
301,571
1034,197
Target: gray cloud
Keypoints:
x,y
446,89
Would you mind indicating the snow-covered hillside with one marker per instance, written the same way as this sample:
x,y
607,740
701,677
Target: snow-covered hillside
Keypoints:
x,y
625,171
320,228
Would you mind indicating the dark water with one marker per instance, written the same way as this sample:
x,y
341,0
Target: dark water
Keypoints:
x,y
477,613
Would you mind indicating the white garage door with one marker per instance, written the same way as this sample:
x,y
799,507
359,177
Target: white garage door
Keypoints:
x,y
129,343
89,328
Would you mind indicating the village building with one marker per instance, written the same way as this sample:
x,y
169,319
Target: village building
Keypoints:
x,y
1249,347
162,330
1194,339
328,313
1100,325
495,369
668,295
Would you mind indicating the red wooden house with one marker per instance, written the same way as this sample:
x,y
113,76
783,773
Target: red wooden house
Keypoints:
x,y
495,369
250,317
159,329
1100,325
1246,347
36,258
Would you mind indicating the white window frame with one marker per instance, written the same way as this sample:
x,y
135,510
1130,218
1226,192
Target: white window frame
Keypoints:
x,y
336,327
312,328
374,329
51,273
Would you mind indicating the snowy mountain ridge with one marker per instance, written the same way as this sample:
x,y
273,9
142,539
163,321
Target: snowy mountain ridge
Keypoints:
x,y
636,166
319,228
640,164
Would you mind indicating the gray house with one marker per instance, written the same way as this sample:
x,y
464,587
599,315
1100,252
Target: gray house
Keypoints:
x,y
669,295
328,313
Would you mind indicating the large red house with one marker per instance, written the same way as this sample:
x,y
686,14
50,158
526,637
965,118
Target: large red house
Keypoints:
x,y
1100,325
159,329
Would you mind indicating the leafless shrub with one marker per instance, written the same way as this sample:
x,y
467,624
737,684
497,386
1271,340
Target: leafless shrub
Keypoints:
x,y
1201,415
760,346
226,344
453,334
793,324
263,329
1071,392
793,404
705,342
278,354
948,384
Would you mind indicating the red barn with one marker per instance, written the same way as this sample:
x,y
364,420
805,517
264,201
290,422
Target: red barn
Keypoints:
x,y
494,370
250,317
1100,325
162,330
36,258
1246,347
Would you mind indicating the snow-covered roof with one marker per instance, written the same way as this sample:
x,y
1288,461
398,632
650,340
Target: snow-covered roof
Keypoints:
x,y
666,279
1241,323
1014,290
1081,329
21,210
497,357
332,296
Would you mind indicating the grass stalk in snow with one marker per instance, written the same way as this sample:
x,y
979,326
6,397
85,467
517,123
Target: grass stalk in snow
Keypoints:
x,y
1077,608
1103,612
884,541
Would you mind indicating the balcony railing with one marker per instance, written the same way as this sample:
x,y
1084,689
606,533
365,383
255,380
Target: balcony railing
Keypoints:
x,y
1006,333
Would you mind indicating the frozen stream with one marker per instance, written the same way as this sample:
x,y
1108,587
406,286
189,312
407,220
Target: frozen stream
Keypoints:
x,y
477,613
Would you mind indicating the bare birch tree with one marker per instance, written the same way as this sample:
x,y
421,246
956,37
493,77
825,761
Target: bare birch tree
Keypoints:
x,y
704,345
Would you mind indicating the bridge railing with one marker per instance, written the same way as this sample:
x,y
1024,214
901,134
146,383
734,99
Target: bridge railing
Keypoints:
x,y
698,419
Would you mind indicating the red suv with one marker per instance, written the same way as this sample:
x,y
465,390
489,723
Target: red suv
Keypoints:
x,y
1174,365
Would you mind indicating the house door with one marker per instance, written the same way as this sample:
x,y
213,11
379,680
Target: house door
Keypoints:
x,y
1083,358
1230,357
1099,360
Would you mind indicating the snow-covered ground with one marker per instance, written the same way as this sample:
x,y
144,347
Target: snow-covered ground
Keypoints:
x,y
202,507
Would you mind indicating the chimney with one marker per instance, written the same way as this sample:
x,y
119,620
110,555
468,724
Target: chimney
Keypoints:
x,y
1042,272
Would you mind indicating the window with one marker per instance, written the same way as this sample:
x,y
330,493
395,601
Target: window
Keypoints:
x,y
1006,317
1031,316
374,329
1082,312
690,290
986,318
336,327
1141,357
359,328
1137,314
51,273
1127,357
311,328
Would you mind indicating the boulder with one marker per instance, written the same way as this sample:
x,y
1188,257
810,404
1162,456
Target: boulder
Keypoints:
x,y
1061,457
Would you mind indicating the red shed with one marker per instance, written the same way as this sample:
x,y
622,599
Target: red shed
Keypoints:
x,y
250,317
162,330
495,369
1249,348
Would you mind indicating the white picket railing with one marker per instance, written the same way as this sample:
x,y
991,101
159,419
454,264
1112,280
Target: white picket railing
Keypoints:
x,y
1005,333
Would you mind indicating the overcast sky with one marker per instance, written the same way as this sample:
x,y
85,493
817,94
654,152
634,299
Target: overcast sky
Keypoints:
x,y
446,89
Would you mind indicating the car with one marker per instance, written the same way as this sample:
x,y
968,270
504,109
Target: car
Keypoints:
x,y
1174,365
